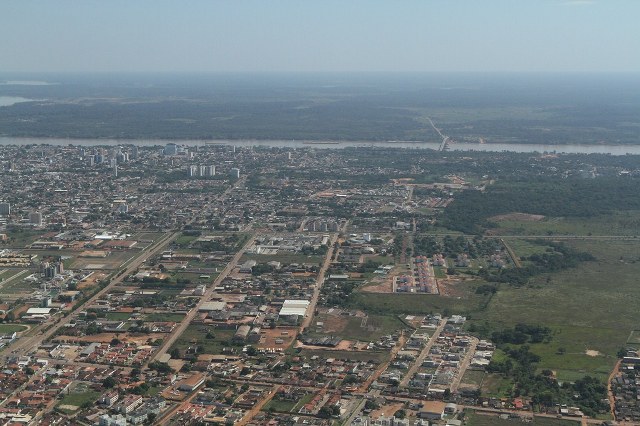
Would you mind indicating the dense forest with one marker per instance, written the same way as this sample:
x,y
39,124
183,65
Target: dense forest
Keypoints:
x,y
375,107
572,197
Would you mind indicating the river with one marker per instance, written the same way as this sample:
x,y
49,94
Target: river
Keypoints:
x,y
457,146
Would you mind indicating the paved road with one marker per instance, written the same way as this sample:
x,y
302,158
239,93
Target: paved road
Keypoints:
x,y
466,361
319,281
423,354
394,351
177,331
358,408
23,345
249,415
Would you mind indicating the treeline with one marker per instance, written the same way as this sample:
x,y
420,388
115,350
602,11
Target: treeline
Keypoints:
x,y
471,210
521,334
557,257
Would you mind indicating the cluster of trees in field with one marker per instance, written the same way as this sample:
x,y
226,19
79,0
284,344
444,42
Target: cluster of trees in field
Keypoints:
x,y
471,211
520,365
557,257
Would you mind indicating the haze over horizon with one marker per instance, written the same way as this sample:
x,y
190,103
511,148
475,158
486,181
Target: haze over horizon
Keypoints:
x,y
327,36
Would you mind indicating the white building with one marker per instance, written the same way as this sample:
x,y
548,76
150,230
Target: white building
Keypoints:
x,y
294,308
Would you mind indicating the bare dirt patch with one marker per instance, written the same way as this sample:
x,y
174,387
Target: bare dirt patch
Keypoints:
x,y
593,353
379,286
448,287
107,337
276,338
344,345
387,410
520,217
334,324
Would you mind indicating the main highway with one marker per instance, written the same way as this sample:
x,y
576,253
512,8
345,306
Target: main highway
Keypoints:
x,y
25,344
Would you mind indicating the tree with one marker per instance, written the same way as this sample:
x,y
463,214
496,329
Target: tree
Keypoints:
x,y
400,414
370,405
251,351
109,382
325,412
151,417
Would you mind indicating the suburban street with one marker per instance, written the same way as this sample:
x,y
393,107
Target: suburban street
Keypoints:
x,y
177,332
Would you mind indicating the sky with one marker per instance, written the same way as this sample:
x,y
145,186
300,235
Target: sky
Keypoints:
x,y
320,36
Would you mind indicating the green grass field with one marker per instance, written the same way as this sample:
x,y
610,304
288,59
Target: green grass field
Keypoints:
x,y
374,327
398,304
591,307
164,317
23,237
10,328
473,377
496,385
476,419
195,278
196,335
118,316
280,405
78,399
14,282
619,223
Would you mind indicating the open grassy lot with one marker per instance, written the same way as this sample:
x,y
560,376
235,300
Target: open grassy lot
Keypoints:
x,y
525,248
16,284
619,223
473,377
280,405
421,304
21,238
114,261
78,397
10,328
496,385
593,306
195,279
477,419
359,328
158,317
283,258
118,316
185,240
567,354
352,355
196,335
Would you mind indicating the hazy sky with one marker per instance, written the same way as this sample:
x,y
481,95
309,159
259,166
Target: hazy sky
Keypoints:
x,y
320,35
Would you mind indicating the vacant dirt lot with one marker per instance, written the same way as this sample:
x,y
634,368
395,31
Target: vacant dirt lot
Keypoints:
x,y
269,336
107,337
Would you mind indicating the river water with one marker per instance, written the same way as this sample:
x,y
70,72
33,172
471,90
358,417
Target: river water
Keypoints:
x,y
491,147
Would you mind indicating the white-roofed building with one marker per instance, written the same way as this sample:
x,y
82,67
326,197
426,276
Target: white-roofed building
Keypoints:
x,y
294,308
38,311
212,306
